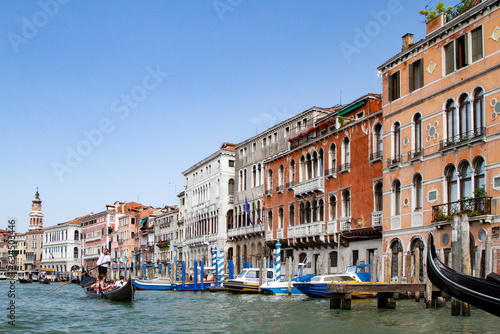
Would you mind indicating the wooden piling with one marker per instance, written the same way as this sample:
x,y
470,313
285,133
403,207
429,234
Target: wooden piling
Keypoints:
x,y
290,274
466,258
388,266
400,267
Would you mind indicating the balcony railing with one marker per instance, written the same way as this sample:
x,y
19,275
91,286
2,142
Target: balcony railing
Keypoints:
x,y
95,238
310,186
163,244
269,235
306,230
344,167
345,223
376,156
279,233
462,139
330,172
377,218
477,206
269,192
394,161
289,185
246,230
416,154
280,189
231,199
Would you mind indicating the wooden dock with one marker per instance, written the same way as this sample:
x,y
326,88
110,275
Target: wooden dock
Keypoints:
x,y
386,293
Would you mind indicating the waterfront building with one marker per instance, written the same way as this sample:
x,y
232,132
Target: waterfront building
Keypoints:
x,y
246,232
441,137
166,232
4,249
177,244
34,242
208,205
62,247
20,250
324,194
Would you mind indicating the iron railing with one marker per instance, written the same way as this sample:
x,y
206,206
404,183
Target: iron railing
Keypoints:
x,y
344,167
476,206
462,139
376,155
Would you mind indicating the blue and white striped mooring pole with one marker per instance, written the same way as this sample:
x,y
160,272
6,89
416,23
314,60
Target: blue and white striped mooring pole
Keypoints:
x,y
214,264
278,261
221,266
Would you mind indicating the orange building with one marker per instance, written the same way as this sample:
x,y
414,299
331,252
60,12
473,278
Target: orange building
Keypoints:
x,y
441,126
324,195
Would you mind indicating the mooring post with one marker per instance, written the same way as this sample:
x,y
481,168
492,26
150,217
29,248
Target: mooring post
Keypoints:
x,y
466,265
456,255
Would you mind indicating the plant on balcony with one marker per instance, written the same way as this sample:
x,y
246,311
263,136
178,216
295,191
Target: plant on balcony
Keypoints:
x,y
480,192
450,12
442,217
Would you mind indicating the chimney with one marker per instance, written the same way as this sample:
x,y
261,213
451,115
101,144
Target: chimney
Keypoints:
x,y
407,41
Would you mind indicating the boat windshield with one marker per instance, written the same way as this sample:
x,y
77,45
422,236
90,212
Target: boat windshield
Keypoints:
x,y
242,274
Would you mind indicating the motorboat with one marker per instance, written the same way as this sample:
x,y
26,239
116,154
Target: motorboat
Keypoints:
x,y
248,280
157,283
283,287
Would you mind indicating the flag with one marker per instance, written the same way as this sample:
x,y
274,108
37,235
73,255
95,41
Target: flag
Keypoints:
x,y
255,209
247,211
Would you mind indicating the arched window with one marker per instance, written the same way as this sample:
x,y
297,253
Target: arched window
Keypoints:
x,y
396,247
270,219
346,154
308,167
478,111
314,211
281,217
450,119
417,120
291,215
291,172
333,207
346,203
417,190
451,178
378,139
314,172
479,173
77,235
259,175
307,213
465,116
281,176
396,188
332,161
254,176
270,180
75,252
397,141
302,169
301,213
465,174
379,195
230,185
321,210
321,166
302,258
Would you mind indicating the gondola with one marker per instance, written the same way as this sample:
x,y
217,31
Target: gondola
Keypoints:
x,y
25,280
121,294
43,281
483,294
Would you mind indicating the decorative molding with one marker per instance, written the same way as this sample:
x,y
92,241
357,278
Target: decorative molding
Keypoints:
x,y
432,67
495,35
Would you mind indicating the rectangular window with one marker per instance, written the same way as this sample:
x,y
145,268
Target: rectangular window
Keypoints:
x,y
394,86
416,75
263,142
287,132
254,147
461,52
355,257
477,43
231,163
449,51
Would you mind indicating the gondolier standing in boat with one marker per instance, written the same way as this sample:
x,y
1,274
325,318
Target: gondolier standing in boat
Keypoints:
x,y
103,261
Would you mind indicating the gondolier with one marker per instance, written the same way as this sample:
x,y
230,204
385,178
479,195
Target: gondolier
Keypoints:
x,y
103,261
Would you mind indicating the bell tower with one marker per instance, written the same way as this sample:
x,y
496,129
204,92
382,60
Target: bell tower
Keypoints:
x,y
36,215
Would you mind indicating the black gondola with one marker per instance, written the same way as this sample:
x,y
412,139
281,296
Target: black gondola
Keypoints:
x,y
121,294
25,280
483,294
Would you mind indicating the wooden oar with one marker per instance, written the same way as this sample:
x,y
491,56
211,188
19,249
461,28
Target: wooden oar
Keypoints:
x,y
60,286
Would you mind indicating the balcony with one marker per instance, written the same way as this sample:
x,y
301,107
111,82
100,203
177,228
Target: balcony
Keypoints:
x,y
331,227
345,167
279,233
269,193
309,187
306,230
212,237
289,185
93,238
478,206
120,241
376,156
280,189
230,199
245,231
345,223
199,240
377,218
416,154
463,139
330,172
394,161
269,235
163,244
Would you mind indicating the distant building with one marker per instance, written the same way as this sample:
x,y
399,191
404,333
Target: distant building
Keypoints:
x,y
20,250
166,233
62,247
96,235
34,242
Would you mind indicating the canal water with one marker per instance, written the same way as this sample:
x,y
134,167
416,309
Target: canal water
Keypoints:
x,y
68,310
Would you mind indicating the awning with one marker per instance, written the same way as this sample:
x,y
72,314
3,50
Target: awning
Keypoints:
x,y
142,222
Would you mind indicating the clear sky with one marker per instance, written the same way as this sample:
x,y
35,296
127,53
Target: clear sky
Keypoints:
x,y
104,101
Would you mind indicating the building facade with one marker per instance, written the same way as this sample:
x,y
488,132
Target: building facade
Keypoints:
x,y
324,194
34,242
62,247
441,126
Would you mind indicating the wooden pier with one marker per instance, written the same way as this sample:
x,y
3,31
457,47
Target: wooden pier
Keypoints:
x,y
386,294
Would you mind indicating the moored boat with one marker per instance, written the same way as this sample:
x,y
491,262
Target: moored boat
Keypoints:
x,y
248,280
121,294
483,294
157,283
281,287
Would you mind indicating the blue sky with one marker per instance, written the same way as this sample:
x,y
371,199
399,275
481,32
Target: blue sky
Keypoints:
x,y
105,101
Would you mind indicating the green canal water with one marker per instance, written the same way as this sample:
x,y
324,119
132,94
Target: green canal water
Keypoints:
x,y
68,310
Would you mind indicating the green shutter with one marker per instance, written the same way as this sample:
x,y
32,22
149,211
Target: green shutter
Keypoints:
x,y
391,88
412,78
398,95
477,43
421,73
466,49
449,58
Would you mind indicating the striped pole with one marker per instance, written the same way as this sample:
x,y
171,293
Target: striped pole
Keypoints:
x,y
125,269
214,264
278,260
118,269
175,260
201,275
221,266
141,262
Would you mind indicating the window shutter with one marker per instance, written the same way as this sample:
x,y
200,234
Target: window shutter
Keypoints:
x,y
449,58
421,73
477,44
412,79
391,88
466,49
398,93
